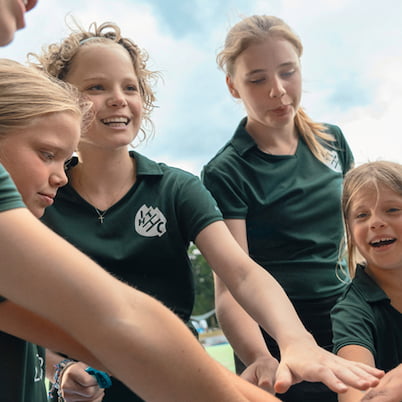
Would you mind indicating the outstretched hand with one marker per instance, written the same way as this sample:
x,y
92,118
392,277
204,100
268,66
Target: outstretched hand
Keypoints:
x,y
262,373
389,389
77,385
312,363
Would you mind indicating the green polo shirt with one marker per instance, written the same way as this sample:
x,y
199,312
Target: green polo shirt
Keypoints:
x,y
22,363
291,205
144,237
22,370
364,316
9,196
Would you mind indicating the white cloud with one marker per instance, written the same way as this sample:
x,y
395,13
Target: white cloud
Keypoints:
x,y
351,66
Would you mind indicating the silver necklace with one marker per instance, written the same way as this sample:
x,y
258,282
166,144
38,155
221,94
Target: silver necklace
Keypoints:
x,y
101,215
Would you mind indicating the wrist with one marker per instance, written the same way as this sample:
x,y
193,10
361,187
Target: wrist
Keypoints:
x,y
58,374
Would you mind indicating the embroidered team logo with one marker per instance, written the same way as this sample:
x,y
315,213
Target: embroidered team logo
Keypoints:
x,y
150,222
332,161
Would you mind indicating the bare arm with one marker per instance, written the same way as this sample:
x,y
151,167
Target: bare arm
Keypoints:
x,y
23,323
122,331
261,295
358,354
241,330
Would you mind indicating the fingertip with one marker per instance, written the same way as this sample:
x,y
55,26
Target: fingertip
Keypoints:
x,y
281,387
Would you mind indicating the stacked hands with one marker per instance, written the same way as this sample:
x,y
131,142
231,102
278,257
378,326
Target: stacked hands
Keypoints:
x,y
310,363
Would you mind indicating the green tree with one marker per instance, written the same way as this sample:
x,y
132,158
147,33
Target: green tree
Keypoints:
x,y
204,282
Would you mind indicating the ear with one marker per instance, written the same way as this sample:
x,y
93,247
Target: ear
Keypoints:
x,y
233,91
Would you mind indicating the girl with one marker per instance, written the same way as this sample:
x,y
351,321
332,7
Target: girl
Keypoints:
x,y
39,129
136,217
367,321
278,184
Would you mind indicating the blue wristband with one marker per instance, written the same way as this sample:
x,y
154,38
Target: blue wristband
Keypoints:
x,y
102,378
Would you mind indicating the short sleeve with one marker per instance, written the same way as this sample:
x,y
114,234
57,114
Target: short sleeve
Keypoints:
x,y
352,323
227,190
195,206
9,196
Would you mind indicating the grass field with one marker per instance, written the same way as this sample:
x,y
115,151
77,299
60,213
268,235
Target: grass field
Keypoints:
x,y
223,354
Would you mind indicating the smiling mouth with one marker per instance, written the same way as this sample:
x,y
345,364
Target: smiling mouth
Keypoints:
x,y
116,121
382,242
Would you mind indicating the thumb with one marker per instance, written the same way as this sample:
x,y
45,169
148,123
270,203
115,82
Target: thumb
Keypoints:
x,y
283,379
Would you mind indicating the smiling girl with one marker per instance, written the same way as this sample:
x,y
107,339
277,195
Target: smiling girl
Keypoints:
x,y
367,321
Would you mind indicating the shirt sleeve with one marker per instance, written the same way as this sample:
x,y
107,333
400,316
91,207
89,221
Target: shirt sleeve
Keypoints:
x,y
226,187
9,196
352,323
196,207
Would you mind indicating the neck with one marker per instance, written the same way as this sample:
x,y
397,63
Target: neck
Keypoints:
x,y
102,178
276,141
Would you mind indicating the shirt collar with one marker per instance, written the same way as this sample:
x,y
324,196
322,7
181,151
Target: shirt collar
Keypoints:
x,y
242,140
145,166
370,290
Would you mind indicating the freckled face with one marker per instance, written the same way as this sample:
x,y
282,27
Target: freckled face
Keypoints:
x,y
375,222
267,78
35,157
105,73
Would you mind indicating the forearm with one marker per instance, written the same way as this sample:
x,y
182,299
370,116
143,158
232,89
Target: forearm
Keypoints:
x,y
242,332
124,332
32,327
278,318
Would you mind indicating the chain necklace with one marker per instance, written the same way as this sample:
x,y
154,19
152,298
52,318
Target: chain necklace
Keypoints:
x,y
101,215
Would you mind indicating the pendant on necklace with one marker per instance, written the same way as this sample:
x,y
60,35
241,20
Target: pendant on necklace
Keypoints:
x,y
101,215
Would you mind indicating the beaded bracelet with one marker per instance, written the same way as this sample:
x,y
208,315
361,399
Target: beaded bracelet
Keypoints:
x,y
60,367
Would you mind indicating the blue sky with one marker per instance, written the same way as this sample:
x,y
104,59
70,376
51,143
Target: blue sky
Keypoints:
x,y
352,66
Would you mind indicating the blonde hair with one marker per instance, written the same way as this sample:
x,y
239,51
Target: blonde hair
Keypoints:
x,y
256,29
26,94
56,59
366,177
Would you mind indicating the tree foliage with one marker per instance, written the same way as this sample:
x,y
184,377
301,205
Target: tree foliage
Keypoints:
x,y
204,282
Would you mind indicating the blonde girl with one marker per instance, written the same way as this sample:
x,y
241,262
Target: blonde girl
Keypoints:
x,y
367,321
278,184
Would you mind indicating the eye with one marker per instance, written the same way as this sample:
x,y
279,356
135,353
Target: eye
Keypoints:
x,y
359,215
96,87
394,209
258,81
287,74
133,88
47,156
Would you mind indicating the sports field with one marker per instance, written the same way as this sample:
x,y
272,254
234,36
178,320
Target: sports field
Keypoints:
x,y
223,354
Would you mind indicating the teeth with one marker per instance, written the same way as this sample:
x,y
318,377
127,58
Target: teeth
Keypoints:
x,y
115,120
382,242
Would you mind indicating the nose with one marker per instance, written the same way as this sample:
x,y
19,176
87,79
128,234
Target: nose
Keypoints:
x,y
376,222
117,99
58,178
277,90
